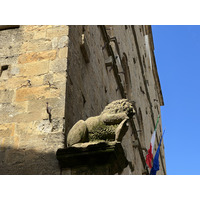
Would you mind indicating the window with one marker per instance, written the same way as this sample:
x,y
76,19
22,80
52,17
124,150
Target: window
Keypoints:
x,y
5,27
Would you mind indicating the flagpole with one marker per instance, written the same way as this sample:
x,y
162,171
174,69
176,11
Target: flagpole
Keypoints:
x,y
157,122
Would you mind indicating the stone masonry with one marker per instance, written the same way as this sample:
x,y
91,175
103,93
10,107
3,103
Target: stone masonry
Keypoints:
x,y
36,60
78,70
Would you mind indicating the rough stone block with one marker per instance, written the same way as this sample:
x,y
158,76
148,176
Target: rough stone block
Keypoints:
x,y
95,154
14,70
39,34
37,80
33,93
59,77
44,126
36,68
27,117
7,130
38,105
48,78
37,56
63,41
5,38
54,42
9,60
57,31
58,65
24,129
24,94
14,156
36,27
63,52
14,83
6,96
8,111
36,46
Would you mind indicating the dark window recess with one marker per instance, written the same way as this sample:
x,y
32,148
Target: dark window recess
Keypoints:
x,y
85,49
84,101
3,71
141,126
142,90
5,27
143,61
127,76
143,30
146,111
105,88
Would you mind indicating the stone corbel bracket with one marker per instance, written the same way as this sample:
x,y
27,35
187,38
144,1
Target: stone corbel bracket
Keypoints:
x,y
96,153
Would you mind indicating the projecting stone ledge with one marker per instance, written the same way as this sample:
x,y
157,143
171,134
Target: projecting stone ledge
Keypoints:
x,y
94,153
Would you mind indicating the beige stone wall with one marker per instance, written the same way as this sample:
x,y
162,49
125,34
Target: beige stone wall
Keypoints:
x,y
36,60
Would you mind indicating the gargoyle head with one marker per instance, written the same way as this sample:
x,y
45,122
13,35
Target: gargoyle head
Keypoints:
x,y
120,106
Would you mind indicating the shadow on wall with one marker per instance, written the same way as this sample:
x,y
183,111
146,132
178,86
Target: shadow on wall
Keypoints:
x,y
27,162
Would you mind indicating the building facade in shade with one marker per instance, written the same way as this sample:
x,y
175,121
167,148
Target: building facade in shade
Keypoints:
x,y
53,76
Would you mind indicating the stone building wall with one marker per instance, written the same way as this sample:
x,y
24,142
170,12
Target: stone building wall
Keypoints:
x,y
92,84
33,63
78,70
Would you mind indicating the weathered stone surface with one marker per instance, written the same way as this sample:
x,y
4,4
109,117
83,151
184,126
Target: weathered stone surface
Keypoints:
x,y
63,41
39,34
7,130
33,69
13,83
113,118
78,133
106,126
121,130
57,31
92,122
37,45
44,126
36,27
58,65
33,93
14,71
91,86
27,117
6,96
54,42
37,56
85,49
63,52
28,141
92,155
8,111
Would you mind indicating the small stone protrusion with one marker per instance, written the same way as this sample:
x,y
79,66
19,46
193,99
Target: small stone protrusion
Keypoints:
x,y
49,109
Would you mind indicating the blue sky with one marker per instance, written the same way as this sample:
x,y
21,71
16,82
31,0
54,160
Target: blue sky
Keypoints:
x,y
177,52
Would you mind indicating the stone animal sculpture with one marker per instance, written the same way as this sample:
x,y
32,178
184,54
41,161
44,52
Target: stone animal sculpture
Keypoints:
x,y
110,125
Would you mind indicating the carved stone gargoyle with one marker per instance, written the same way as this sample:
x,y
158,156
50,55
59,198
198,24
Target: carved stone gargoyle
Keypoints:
x,y
110,125
97,141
